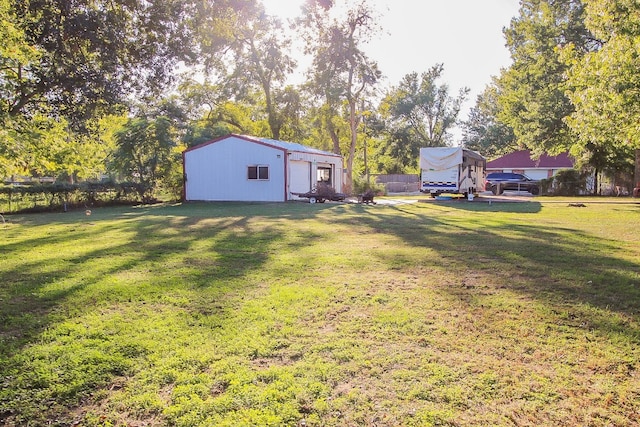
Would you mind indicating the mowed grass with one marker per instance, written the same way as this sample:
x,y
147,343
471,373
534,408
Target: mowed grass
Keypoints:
x,y
438,313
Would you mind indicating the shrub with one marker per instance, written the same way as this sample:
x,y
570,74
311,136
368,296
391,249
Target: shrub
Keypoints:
x,y
569,182
546,186
41,197
361,186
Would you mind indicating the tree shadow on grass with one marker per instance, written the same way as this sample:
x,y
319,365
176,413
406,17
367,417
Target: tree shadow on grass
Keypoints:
x,y
216,246
479,205
554,265
75,265
165,256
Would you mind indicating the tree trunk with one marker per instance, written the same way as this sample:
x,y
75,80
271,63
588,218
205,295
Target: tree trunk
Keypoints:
x,y
353,125
335,139
636,187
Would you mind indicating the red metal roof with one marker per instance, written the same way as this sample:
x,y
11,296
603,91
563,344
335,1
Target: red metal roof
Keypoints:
x,y
522,160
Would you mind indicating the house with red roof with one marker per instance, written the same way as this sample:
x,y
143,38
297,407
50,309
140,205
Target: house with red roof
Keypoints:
x,y
521,162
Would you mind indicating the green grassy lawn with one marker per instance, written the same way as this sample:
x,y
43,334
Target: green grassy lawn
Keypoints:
x,y
435,313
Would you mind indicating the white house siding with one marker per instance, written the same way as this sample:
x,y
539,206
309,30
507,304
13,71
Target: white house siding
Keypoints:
x,y
218,171
539,173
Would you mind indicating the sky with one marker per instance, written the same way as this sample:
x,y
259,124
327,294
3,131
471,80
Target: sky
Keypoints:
x,y
464,35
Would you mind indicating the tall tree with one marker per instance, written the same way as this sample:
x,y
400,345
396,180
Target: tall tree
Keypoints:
x,y
92,53
533,99
15,53
341,73
75,60
146,153
605,86
420,112
482,131
291,105
260,59
213,112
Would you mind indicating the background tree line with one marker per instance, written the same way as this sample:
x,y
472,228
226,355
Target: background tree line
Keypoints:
x,y
573,85
121,87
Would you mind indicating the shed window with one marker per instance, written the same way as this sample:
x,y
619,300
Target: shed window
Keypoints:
x,y
258,172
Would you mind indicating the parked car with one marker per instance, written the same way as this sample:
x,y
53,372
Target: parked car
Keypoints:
x,y
497,182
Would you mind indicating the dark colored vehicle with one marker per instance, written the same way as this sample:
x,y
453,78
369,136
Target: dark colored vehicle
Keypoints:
x,y
497,182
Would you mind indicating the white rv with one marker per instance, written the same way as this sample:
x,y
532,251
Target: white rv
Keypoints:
x,y
453,170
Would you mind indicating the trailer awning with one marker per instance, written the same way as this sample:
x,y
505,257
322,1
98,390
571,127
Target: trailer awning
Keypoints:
x,y
440,158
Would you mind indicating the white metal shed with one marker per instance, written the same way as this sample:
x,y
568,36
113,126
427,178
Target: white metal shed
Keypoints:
x,y
246,168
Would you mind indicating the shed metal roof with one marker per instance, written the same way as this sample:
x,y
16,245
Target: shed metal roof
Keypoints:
x,y
283,145
291,146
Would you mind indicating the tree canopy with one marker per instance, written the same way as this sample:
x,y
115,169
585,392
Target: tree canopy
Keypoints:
x,y
573,84
605,85
341,72
533,100
74,62
482,131
419,112
73,75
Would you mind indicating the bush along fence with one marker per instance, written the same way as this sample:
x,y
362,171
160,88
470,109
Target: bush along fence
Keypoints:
x,y
62,196
569,182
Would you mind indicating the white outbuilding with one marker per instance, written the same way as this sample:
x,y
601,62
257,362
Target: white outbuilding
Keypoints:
x,y
252,169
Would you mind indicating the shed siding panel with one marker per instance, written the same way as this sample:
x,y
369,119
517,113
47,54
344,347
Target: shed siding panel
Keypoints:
x,y
218,172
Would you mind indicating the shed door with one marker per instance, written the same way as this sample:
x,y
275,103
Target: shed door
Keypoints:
x,y
300,181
